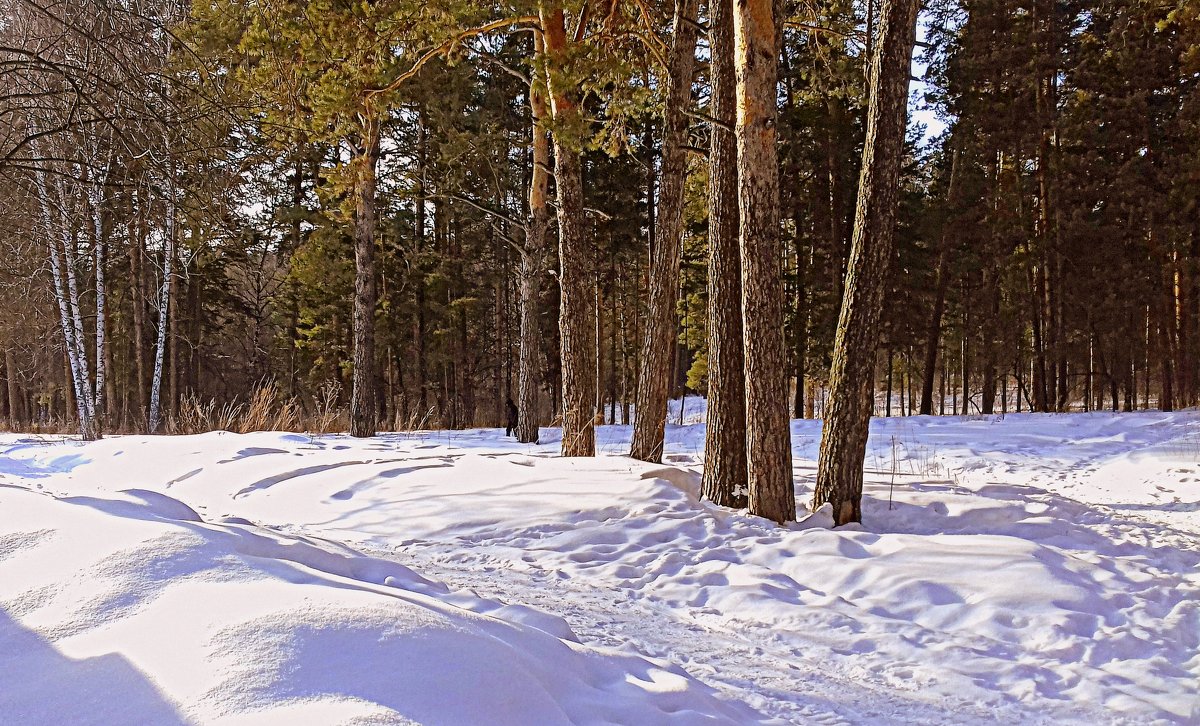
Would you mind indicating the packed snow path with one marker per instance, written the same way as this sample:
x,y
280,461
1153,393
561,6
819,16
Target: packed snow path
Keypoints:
x,y
1033,569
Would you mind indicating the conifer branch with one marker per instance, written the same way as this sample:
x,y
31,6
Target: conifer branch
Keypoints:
x,y
448,46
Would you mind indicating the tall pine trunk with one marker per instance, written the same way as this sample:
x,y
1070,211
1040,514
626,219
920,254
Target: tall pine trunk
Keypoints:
x,y
363,383
533,267
725,436
577,313
933,331
768,450
661,318
419,326
848,410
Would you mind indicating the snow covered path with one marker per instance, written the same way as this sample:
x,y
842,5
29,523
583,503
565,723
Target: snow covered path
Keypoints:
x,y
1033,569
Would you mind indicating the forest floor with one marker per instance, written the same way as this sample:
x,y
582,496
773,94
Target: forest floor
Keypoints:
x,y
1018,569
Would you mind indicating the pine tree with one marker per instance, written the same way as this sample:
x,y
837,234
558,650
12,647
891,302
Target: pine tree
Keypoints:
x,y
848,413
768,447
667,247
725,435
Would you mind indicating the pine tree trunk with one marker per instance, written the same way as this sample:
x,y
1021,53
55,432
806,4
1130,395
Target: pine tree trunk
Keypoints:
x,y
1166,356
768,451
991,291
419,325
362,398
848,411
724,480
1180,325
933,331
577,313
838,119
800,322
533,268
965,361
1036,322
650,412
887,411
598,306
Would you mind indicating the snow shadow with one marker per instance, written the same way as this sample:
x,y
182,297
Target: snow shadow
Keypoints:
x,y
36,469
106,689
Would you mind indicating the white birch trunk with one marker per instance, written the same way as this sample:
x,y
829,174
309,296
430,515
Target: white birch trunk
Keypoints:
x,y
164,304
96,198
71,332
70,260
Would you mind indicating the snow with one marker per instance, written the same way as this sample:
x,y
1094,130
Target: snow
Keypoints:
x,y
1029,568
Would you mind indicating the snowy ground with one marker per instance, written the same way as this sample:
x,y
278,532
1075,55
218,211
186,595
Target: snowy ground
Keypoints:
x,y
1030,569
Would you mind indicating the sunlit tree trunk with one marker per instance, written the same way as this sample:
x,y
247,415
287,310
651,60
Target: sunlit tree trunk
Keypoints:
x,y
577,311
848,410
768,449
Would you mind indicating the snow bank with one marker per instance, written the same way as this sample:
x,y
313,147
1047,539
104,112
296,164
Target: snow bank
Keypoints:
x,y
129,609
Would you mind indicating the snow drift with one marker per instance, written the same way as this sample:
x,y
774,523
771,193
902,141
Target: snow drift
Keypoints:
x,y
129,609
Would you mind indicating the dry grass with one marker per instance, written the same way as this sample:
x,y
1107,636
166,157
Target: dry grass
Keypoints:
x,y
267,410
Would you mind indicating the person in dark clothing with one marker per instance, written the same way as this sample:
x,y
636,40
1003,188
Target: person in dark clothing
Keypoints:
x,y
511,428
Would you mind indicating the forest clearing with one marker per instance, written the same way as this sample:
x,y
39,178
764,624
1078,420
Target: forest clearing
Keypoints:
x,y
614,362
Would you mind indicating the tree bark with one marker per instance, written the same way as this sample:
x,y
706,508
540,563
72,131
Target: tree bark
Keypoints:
x,y
724,480
164,312
990,329
10,373
800,319
419,325
933,332
363,383
650,413
99,263
533,266
577,312
138,299
173,350
887,411
768,450
848,411
66,293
